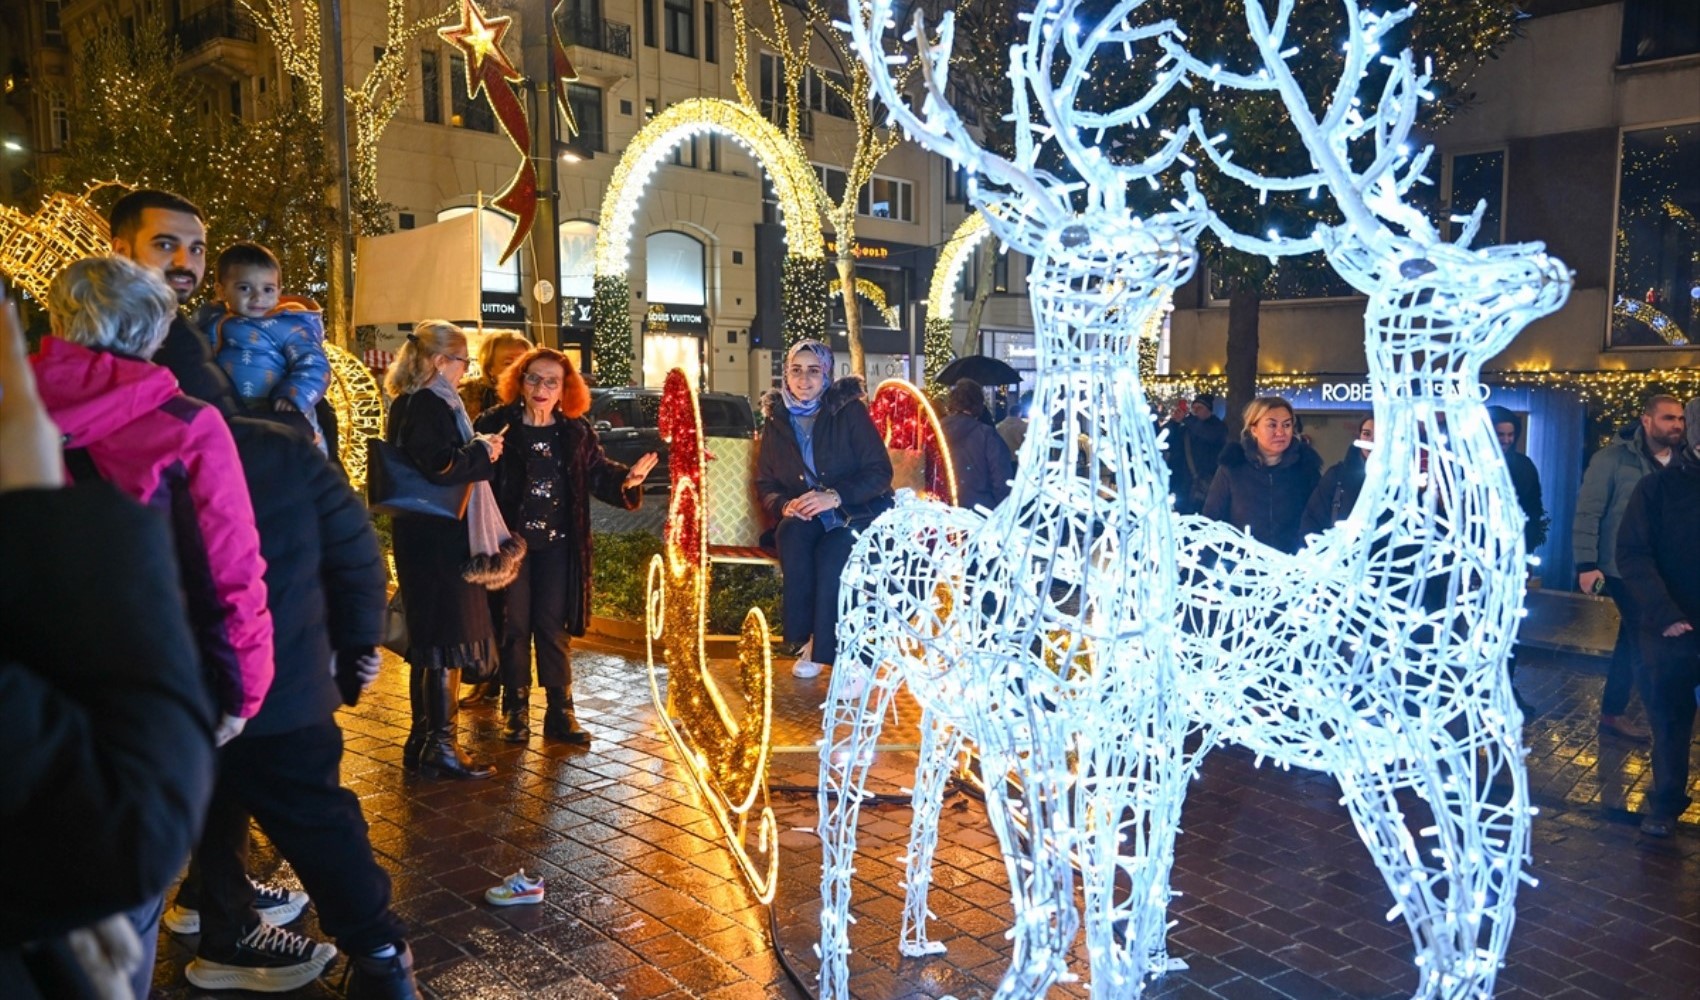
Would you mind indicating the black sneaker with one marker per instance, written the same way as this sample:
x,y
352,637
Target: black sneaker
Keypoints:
x,y
275,905
371,978
267,960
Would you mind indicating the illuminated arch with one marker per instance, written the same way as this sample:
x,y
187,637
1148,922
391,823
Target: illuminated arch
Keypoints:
x,y
875,296
941,298
793,183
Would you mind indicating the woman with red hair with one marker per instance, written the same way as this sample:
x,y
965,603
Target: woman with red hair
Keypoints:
x,y
552,466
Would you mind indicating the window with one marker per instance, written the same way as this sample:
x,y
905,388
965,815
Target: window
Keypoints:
x,y
468,113
714,151
58,121
681,29
578,260
648,22
1000,273
821,97
776,99
685,153
586,105
834,180
236,100
955,183
710,51
1659,29
1656,269
495,230
1475,178
675,269
51,32
430,87
892,282
887,198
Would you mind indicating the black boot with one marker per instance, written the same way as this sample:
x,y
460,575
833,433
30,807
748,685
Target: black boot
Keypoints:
x,y
383,978
559,722
516,714
415,744
481,694
443,756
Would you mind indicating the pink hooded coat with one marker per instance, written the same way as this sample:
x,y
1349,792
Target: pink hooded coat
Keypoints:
x,y
176,455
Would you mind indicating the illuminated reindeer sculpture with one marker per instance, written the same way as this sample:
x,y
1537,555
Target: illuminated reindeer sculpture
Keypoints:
x,y
1042,632
1378,654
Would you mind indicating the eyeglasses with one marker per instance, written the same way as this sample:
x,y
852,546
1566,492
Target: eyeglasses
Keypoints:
x,y
547,383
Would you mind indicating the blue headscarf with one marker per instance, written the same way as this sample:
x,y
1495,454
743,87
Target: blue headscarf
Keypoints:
x,y
823,353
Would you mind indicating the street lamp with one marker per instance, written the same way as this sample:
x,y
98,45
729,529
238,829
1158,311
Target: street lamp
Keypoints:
x,y
12,146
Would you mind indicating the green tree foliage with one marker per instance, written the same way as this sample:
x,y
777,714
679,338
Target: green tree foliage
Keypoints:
x,y
134,119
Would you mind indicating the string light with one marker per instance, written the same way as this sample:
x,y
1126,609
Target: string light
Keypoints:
x,y
874,294
36,247
359,405
726,757
909,425
792,179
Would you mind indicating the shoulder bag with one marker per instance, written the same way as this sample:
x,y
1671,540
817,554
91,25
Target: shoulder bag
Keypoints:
x,y
395,486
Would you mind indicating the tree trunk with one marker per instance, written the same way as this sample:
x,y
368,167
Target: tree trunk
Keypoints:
x,y
970,343
1243,303
846,263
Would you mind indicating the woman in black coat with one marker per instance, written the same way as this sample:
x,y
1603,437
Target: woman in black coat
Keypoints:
x,y
553,465
448,618
1265,479
978,455
1338,492
822,474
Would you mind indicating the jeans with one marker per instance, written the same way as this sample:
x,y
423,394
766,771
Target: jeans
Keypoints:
x,y
1672,673
812,560
535,612
145,919
291,784
1626,666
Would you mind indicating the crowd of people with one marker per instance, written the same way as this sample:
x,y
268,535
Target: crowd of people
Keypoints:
x,y
180,473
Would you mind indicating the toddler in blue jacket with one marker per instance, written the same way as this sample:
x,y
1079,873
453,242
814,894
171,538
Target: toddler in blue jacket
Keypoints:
x,y
271,345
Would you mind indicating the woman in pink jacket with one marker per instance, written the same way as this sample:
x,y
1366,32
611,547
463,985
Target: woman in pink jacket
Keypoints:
x,y
125,421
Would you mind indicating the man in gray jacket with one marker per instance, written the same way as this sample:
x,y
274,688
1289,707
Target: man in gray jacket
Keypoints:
x,y
1611,478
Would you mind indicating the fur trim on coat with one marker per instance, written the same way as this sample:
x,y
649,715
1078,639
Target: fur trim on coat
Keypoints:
x,y
497,569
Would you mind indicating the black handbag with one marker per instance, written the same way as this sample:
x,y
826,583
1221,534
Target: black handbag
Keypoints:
x,y
395,486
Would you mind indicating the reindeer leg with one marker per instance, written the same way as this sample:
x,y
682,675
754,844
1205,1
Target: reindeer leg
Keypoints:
x,y
940,744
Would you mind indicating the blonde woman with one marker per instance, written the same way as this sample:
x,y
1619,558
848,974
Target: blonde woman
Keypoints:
x,y
445,566
1266,477
496,352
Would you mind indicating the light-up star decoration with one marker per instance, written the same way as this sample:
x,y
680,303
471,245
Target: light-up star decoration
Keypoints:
x,y
489,69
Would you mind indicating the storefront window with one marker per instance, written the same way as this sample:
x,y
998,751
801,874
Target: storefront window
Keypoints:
x,y
578,260
1479,178
675,273
883,293
1656,267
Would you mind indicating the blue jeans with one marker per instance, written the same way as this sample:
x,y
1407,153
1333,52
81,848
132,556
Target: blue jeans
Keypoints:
x,y
145,919
812,559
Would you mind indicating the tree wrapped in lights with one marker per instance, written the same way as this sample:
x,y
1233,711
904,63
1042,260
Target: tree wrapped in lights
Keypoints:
x,y
1041,633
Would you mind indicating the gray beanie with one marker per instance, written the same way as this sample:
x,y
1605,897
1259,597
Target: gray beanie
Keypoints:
x,y
1691,415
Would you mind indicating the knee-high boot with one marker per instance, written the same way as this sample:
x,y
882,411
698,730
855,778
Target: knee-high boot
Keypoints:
x,y
415,744
442,755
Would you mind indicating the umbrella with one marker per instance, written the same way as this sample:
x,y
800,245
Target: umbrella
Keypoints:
x,y
984,370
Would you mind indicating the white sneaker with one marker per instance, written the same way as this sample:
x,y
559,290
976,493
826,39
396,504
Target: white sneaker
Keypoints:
x,y
275,905
805,669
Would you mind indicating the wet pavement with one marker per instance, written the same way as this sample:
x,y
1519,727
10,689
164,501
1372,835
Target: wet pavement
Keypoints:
x,y
1278,897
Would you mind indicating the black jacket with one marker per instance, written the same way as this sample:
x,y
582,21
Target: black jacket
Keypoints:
x,y
443,610
849,455
186,353
1658,545
1268,499
1338,492
980,459
1201,447
1526,479
587,471
105,723
325,576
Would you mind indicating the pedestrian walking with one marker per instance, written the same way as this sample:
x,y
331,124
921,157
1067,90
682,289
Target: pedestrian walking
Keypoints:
x,y
1525,478
1203,436
1264,480
822,474
1337,493
550,467
979,457
1658,553
1609,482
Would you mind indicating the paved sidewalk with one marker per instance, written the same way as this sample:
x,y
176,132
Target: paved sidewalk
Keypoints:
x,y
1279,898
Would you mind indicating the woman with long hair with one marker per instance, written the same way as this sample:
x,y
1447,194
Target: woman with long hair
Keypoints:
x,y
1264,479
445,566
553,464
496,354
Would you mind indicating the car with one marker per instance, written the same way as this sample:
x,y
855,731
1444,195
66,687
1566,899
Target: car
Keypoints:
x,y
626,421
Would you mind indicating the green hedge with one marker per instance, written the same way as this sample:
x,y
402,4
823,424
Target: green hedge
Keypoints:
x,y
622,573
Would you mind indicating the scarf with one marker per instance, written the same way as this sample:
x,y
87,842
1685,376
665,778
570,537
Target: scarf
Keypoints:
x,y
496,552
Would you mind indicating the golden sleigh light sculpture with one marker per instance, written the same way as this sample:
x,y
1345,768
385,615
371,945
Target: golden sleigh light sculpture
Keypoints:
x,y
66,228
725,756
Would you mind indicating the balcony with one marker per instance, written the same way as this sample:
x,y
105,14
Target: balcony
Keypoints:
x,y
600,50
221,38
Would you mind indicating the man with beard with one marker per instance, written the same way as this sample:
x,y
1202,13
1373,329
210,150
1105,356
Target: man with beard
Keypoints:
x,y
168,234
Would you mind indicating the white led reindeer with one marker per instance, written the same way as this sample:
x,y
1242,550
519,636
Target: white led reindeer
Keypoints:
x,y
1378,653
1042,632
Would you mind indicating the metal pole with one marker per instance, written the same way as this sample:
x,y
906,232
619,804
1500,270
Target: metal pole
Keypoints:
x,y
336,115
539,60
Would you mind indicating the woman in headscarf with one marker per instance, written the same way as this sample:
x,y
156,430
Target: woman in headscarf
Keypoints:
x,y
822,474
445,566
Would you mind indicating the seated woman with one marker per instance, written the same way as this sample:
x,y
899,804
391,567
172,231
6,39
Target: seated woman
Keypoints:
x,y
1266,477
822,474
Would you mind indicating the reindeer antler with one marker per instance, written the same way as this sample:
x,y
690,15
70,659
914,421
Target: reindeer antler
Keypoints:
x,y
1039,84
1366,196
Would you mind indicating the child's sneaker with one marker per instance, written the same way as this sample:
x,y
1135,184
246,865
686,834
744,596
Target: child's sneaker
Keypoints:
x,y
516,889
